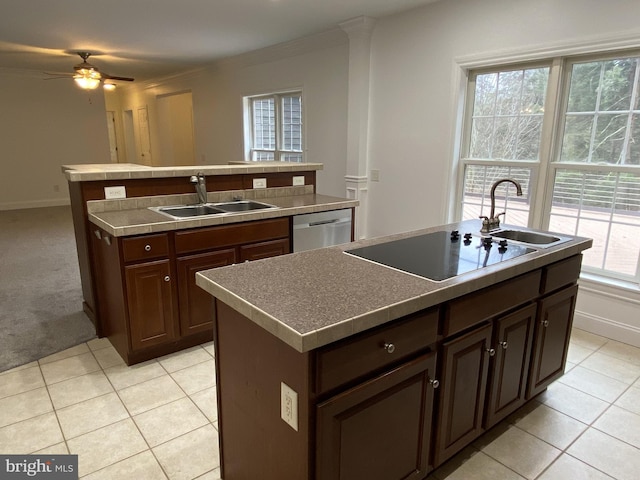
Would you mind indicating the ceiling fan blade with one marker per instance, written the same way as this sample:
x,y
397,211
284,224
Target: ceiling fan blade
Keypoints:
x,y
113,77
60,74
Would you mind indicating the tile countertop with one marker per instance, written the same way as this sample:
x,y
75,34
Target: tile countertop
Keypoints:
x,y
119,171
310,299
139,221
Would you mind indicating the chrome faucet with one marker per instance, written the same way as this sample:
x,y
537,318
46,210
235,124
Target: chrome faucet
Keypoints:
x,y
493,222
201,187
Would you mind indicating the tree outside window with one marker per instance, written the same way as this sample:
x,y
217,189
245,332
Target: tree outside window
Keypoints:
x,y
587,182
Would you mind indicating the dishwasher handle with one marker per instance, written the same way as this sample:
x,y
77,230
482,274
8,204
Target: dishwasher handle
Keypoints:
x,y
324,222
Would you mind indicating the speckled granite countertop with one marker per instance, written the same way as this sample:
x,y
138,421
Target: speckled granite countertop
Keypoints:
x,y
137,221
310,299
119,171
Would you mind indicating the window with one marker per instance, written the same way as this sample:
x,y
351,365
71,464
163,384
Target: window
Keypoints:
x,y
275,127
569,131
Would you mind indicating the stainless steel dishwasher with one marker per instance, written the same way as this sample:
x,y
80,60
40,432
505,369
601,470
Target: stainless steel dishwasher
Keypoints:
x,y
322,229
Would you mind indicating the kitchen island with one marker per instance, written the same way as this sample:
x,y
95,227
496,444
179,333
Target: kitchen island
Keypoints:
x,y
330,366
138,265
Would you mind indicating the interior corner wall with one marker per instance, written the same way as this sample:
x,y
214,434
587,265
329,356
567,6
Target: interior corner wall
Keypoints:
x,y
44,125
414,95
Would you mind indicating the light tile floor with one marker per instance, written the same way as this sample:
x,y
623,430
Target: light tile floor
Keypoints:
x,y
158,420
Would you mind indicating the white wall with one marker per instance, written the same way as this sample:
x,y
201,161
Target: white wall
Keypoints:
x,y
415,88
43,125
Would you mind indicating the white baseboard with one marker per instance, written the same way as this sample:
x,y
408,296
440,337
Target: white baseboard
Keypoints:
x,y
58,202
621,332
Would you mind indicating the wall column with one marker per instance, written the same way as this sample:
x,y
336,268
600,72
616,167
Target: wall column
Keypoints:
x,y
359,31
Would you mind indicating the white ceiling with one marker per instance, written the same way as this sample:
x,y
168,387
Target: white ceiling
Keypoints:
x,y
152,38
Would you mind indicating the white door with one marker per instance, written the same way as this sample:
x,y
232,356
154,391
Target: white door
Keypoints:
x,y
144,135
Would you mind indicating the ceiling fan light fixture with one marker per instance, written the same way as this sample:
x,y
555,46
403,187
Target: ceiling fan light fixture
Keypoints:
x,y
87,82
109,86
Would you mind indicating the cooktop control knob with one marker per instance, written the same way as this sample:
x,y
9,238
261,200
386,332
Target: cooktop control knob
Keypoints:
x,y
455,235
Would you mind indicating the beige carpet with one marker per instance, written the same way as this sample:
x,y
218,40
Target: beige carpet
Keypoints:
x,y
40,292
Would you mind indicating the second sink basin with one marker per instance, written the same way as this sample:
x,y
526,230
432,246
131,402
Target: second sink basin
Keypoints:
x,y
531,238
242,206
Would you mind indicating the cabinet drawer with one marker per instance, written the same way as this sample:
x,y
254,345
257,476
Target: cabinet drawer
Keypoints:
x,y
146,247
200,239
475,307
365,354
559,274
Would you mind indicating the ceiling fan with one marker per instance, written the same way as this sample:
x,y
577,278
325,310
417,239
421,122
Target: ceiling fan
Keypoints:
x,y
87,76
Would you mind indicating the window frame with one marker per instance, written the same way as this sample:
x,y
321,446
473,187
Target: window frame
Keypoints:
x,y
250,134
543,171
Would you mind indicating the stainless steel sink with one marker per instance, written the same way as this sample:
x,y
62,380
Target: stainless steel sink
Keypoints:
x,y
185,211
242,206
222,208
530,238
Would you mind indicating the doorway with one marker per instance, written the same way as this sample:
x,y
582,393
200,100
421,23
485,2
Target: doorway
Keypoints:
x,y
175,129
129,136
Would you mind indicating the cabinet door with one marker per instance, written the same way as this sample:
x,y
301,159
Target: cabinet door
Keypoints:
x,y
465,364
271,248
196,305
552,332
381,429
151,304
509,368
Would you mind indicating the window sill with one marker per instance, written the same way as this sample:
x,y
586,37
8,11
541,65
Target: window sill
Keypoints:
x,y
612,286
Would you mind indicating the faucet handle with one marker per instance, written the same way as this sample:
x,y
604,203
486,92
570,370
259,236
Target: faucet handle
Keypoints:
x,y
497,219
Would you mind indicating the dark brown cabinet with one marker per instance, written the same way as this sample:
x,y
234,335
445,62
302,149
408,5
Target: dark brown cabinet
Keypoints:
x,y
552,333
257,251
381,429
509,366
150,304
484,379
465,365
196,307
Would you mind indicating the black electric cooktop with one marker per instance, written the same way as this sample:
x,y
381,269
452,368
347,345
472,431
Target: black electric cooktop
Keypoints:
x,y
441,255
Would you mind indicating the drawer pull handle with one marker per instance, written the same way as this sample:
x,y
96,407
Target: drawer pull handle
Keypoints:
x,y
434,383
545,323
166,278
491,351
389,347
504,345
147,248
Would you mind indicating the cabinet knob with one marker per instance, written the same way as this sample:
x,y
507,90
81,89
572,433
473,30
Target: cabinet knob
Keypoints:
x,y
147,248
389,347
434,383
491,351
545,323
167,278
504,345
